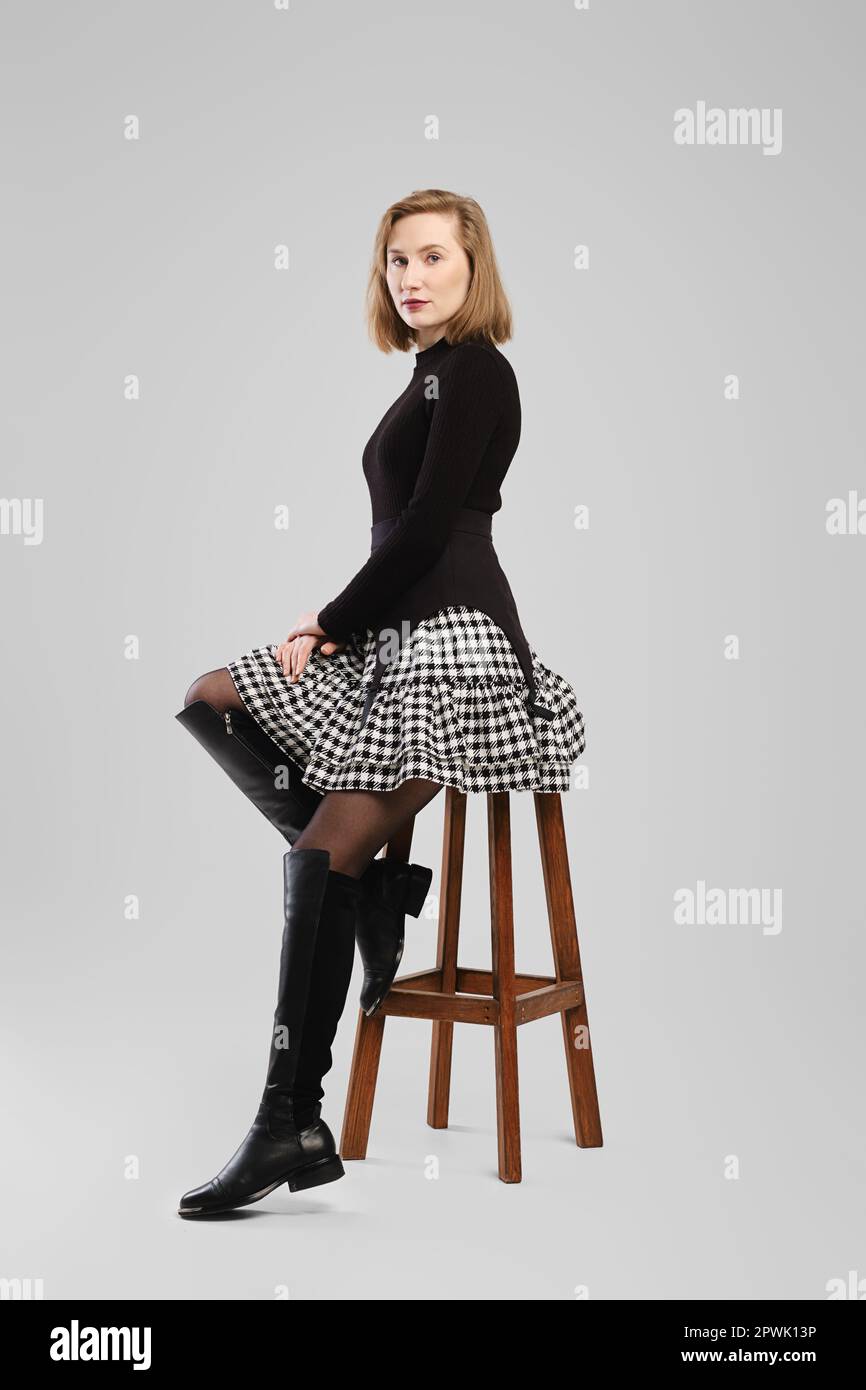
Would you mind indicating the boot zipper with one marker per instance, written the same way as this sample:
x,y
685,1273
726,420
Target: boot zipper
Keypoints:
x,y
227,716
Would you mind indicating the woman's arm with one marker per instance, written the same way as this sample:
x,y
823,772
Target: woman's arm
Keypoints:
x,y
472,397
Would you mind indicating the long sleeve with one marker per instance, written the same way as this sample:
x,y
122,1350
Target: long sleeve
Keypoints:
x,y
471,401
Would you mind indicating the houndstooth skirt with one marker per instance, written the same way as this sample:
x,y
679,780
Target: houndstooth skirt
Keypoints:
x,y
451,707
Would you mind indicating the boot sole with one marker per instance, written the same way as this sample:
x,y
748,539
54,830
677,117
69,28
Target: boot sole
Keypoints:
x,y
299,1180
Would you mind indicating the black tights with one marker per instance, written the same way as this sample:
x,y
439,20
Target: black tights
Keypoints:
x,y
352,825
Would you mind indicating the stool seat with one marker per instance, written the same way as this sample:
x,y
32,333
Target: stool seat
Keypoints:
x,y
500,997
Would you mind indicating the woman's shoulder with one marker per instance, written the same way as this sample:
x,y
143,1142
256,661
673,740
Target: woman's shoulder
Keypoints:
x,y
482,360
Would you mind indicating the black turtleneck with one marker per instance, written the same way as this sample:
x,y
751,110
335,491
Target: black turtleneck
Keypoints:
x,y
445,443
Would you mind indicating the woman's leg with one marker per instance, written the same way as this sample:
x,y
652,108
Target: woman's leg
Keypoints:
x,y
218,688
354,825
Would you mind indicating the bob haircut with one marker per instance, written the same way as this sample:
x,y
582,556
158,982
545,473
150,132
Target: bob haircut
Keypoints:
x,y
484,313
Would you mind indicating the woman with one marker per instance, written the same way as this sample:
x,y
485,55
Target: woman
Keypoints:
x,y
416,676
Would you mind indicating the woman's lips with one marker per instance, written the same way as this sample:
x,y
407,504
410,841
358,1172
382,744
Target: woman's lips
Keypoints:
x,y
415,303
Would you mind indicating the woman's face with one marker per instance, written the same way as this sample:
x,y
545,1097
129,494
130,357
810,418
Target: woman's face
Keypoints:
x,y
426,265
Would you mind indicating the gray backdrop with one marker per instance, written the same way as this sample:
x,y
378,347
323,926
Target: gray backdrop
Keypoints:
x,y
710,622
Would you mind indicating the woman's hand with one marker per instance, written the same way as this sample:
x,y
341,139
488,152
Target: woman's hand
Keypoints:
x,y
304,636
292,655
307,624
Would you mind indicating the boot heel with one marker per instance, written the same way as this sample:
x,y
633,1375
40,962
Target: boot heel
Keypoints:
x,y
417,888
325,1170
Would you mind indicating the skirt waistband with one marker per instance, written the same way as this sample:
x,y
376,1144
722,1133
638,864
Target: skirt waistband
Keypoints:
x,y
469,519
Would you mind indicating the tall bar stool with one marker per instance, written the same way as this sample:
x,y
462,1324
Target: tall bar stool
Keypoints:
x,y
500,997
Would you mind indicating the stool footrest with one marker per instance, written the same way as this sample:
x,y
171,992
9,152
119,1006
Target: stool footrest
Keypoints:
x,y
420,995
450,1008
555,998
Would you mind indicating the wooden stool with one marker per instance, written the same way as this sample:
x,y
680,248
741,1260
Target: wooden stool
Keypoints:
x,y
452,994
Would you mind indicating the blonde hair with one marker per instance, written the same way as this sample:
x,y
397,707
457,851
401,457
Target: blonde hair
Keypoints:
x,y
484,313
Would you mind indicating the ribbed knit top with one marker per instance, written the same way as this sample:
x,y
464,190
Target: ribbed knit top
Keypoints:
x,y
445,443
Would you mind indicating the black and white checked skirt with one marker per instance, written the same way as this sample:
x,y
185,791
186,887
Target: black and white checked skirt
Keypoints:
x,y
452,706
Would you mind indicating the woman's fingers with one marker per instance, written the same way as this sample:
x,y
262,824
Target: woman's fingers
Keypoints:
x,y
284,656
294,652
299,657
287,657
302,648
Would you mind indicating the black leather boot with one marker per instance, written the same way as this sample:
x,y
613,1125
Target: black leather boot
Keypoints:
x,y
273,782
282,1147
265,774
329,985
391,890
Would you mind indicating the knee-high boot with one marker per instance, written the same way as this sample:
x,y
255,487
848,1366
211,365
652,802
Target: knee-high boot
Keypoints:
x,y
330,977
273,782
319,907
266,775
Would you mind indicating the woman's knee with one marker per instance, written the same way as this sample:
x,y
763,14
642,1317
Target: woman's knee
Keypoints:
x,y
217,688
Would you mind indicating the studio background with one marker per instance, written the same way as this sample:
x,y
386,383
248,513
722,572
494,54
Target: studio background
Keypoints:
x,y
133,1051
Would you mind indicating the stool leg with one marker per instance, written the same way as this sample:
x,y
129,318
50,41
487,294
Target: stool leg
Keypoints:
x,y
451,885
362,1085
361,1091
566,958
502,943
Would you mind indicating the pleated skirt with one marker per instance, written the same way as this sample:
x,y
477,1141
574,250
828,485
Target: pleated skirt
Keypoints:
x,y
452,707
